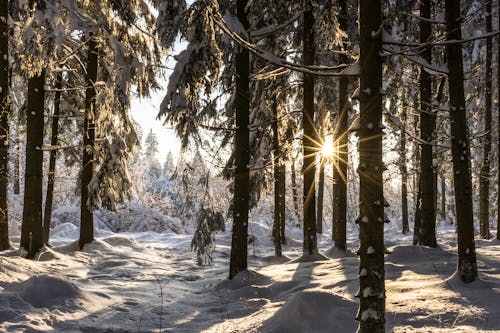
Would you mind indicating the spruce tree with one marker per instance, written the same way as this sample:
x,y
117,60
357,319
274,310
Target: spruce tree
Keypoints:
x,y
4,125
371,315
466,266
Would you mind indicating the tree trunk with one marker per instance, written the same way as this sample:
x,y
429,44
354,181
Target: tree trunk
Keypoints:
x,y
467,266
279,198
371,315
86,212
309,140
498,132
4,126
239,243
17,166
443,199
484,183
47,215
295,192
417,192
31,228
321,193
427,125
404,170
342,143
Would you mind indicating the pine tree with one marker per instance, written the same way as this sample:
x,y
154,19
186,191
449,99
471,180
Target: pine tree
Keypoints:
x,y
31,228
4,124
427,231
484,177
467,266
89,127
371,315
309,141
341,138
47,215
238,260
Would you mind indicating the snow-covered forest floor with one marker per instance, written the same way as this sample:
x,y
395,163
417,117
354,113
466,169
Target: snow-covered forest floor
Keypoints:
x,y
149,282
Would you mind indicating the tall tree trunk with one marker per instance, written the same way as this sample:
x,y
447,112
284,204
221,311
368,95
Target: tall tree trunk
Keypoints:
x,y
443,199
321,176
371,314
498,130
86,211
47,215
279,198
404,170
467,266
342,142
295,192
484,183
4,126
427,125
31,228
309,141
321,194
239,243
17,164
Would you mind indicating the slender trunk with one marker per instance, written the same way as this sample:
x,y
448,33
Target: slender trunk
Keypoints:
x,y
427,125
371,314
4,126
86,211
321,192
31,228
282,197
17,164
47,215
342,143
278,196
295,192
239,242
443,199
467,266
404,170
484,183
321,176
309,141
498,132
335,189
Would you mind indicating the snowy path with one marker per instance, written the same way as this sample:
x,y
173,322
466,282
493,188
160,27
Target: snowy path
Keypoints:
x,y
146,282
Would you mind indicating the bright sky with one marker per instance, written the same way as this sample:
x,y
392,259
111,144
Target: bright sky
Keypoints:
x,y
144,111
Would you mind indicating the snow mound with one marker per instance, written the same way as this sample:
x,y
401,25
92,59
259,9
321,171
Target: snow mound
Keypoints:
x,y
333,252
310,258
243,279
313,311
43,291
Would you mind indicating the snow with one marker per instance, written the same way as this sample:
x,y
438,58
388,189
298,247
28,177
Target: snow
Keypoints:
x,y
149,282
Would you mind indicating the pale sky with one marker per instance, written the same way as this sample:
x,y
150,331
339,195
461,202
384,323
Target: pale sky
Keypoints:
x,y
144,111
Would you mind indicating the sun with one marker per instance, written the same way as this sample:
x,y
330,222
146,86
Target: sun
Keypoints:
x,y
328,150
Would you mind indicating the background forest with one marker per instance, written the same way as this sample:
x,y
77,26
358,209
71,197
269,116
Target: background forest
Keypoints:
x,y
346,151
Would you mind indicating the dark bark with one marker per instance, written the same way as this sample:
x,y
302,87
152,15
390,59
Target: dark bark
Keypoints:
x,y
443,199
484,182
309,141
321,193
427,127
47,215
31,228
279,196
371,315
417,193
467,266
86,212
239,243
295,192
404,170
17,165
342,144
498,132
4,126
